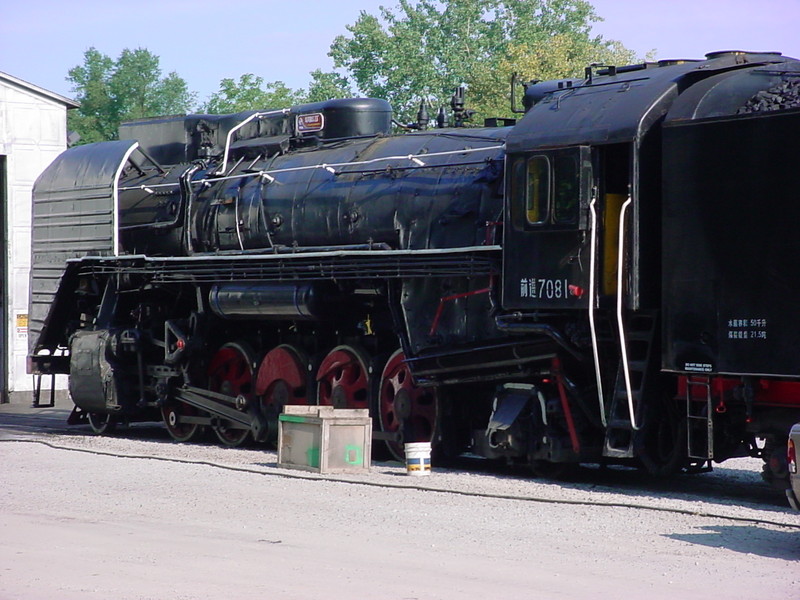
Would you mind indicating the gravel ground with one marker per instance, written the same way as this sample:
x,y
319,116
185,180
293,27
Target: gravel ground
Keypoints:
x,y
138,517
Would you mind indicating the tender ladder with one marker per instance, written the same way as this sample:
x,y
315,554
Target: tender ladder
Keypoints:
x,y
700,425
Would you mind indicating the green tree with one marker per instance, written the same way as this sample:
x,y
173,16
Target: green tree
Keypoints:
x,y
425,49
173,96
562,56
325,86
96,119
129,88
139,90
251,93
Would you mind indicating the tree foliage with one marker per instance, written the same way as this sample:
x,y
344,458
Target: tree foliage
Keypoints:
x,y
251,93
420,49
325,86
425,49
129,88
563,56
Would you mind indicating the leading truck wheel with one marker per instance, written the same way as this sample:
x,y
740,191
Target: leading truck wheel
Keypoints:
x,y
404,408
180,430
102,423
230,372
343,378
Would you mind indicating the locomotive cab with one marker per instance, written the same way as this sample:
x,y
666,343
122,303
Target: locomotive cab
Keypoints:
x,y
547,217
583,230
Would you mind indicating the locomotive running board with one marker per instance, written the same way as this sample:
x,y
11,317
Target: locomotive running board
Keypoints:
x,y
334,264
479,363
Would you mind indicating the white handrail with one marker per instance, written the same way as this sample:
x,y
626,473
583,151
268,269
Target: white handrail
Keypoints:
x,y
592,295
626,369
415,159
115,189
256,115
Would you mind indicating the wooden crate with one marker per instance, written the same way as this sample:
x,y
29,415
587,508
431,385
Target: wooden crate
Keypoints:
x,y
324,439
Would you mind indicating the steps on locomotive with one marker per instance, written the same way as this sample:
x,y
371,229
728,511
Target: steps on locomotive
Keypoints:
x,y
700,425
621,424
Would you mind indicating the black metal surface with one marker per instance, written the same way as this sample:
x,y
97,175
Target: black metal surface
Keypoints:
x,y
97,382
517,324
613,108
220,406
445,202
73,215
311,194
173,140
731,252
497,360
282,236
748,89
378,264
271,301
546,264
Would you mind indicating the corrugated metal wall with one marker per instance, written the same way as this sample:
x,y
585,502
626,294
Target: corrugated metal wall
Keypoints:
x,y
33,132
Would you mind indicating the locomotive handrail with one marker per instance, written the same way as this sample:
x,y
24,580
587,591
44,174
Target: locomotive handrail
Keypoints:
x,y
115,198
268,174
256,115
626,369
592,296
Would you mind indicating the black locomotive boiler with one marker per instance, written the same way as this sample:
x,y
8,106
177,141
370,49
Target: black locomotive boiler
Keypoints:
x,y
610,279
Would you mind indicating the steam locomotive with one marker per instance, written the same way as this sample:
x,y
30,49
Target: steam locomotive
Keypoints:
x,y
611,278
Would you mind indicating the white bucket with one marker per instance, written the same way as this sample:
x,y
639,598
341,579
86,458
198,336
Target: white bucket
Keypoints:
x,y
418,458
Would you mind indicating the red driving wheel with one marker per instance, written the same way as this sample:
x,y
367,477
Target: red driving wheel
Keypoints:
x,y
231,373
343,378
405,408
282,379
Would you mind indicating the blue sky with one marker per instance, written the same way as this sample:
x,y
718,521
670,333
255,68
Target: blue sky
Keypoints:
x,y
204,42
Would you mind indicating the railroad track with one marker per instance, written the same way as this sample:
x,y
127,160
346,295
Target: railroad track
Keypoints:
x,y
734,492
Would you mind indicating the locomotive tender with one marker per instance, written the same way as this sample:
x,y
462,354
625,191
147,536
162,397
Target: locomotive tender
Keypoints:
x,y
612,278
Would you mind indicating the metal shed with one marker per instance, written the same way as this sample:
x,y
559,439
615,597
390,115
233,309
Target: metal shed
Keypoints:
x,y
33,131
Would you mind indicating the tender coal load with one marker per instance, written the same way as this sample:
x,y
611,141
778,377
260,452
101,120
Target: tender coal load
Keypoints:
x,y
783,96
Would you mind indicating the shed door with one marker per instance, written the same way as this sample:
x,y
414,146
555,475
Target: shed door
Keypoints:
x,y
4,313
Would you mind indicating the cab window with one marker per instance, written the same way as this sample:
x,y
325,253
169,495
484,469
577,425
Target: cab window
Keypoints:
x,y
537,189
550,189
566,189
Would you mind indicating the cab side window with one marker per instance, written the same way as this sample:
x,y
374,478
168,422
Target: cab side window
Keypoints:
x,y
537,189
550,190
566,190
546,188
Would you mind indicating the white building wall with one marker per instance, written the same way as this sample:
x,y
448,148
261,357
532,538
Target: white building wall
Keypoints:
x,y
33,131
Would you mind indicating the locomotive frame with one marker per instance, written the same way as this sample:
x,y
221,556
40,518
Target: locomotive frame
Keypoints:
x,y
553,292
